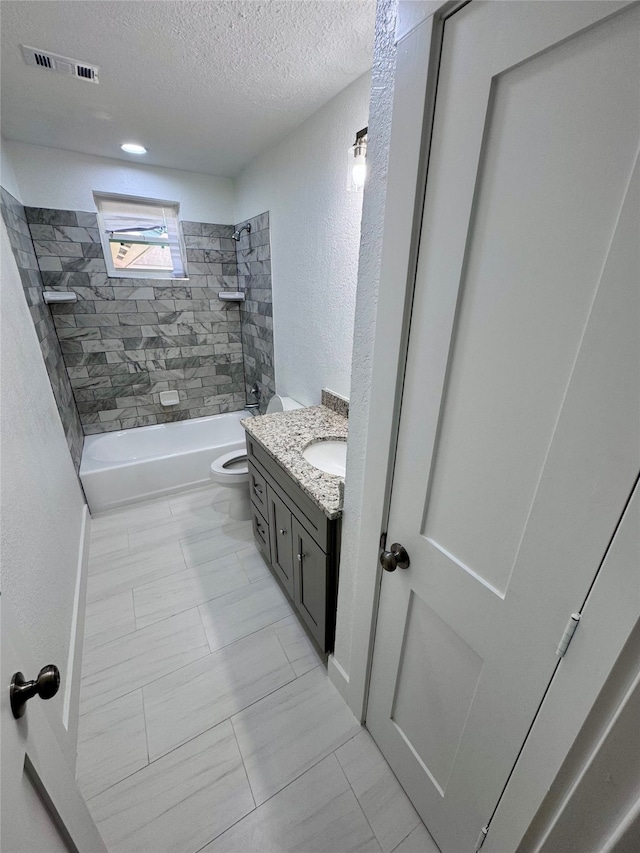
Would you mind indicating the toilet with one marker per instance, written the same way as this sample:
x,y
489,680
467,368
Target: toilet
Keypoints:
x,y
232,469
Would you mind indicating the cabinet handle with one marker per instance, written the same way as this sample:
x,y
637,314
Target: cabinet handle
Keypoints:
x,y
301,557
283,532
257,489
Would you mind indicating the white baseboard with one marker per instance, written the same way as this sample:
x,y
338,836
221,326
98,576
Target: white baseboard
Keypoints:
x,y
74,663
338,678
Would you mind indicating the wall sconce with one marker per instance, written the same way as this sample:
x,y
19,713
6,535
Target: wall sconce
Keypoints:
x,y
358,162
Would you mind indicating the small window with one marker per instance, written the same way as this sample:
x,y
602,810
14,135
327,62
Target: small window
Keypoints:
x,y
140,237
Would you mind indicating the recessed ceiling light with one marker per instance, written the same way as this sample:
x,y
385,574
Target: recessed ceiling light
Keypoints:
x,y
133,148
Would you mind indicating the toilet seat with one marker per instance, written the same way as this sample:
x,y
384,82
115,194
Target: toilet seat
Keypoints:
x,y
231,468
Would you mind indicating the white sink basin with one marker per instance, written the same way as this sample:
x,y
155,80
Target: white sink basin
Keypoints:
x,y
328,456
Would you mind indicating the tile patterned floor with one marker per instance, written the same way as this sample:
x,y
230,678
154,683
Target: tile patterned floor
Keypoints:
x,y
207,721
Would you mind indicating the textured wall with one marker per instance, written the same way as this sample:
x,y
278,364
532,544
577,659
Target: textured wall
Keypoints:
x,y
381,107
315,228
254,277
125,340
13,214
51,177
41,502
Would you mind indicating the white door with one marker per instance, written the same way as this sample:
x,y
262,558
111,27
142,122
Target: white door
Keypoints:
x,y
42,809
519,438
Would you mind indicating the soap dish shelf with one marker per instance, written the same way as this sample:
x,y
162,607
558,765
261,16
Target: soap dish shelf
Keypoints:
x,y
231,296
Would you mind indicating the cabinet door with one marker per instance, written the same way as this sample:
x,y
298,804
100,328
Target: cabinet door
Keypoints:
x,y
261,532
310,582
281,540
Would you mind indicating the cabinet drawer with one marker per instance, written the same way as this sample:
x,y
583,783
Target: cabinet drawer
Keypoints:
x,y
280,520
311,573
261,532
258,489
313,517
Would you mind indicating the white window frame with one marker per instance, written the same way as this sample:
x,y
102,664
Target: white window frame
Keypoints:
x,y
177,243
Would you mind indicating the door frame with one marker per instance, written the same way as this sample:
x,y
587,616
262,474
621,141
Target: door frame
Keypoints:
x,y
418,45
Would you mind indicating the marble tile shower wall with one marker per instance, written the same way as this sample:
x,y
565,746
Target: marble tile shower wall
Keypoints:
x,y
15,219
254,277
126,340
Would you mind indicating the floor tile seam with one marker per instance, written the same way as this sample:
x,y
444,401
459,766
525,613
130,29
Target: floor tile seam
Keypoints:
x,y
275,794
137,630
244,767
146,684
144,719
117,565
151,762
119,637
171,672
405,838
360,806
236,525
187,608
186,569
122,592
194,565
285,651
221,532
219,722
204,527
146,732
389,768
250,634
124,589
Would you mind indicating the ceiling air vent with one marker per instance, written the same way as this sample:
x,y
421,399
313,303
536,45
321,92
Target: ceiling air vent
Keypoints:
x,y
59,64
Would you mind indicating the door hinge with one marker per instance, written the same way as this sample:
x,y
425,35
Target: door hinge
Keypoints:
x,y
569,631
481,838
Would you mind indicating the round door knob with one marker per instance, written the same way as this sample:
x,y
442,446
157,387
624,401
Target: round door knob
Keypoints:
x,y
45,686
396,558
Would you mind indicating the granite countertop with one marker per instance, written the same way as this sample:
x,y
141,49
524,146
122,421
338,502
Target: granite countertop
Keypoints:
x,y
284,435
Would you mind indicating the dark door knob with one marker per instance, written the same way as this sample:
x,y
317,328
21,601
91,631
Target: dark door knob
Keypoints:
x,y
45,686
396,558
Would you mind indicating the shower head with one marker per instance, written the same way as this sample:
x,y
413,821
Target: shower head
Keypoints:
x,y
236,234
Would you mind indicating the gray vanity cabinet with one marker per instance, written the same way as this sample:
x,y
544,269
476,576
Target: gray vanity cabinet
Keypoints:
x,y
280,529
298,541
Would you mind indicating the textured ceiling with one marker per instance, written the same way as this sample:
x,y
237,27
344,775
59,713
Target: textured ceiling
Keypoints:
x,y
205,86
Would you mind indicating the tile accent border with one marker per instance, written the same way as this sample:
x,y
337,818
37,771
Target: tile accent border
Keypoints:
x,y
335,402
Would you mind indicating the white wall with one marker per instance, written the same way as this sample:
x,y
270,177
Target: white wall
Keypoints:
x,y
365,323
315,231
50,177
8,177
41,502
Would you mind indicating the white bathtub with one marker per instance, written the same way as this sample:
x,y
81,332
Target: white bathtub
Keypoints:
x,y
131,465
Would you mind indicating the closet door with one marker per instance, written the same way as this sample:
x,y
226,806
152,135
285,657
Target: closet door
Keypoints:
x,y
519,438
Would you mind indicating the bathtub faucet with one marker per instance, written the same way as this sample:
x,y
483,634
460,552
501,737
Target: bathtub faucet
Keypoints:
x,y
255,392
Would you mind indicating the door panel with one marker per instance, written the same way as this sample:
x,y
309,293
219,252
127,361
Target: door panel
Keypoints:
x,y
310,591
281,540
519,435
